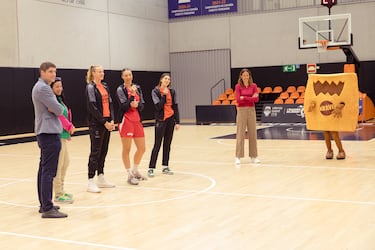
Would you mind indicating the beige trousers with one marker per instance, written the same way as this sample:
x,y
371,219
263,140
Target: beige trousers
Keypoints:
x,y
246,119
58,181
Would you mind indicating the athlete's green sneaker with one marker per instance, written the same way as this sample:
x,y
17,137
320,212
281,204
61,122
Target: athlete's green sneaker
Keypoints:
x,y
63,199
68,195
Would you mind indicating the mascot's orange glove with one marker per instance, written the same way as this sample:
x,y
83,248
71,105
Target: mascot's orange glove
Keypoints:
x,y
312,106
337,112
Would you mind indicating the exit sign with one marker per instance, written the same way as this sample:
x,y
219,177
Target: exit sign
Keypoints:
x,y
289,68
328,3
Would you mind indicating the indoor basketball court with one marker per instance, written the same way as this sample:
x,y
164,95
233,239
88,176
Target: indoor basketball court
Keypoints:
x,y
294,198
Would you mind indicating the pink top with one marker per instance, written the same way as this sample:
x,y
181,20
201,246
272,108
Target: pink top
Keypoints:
x,y
247,93
65,122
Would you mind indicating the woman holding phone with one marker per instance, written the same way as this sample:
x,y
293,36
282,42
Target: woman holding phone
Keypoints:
x,y
167,119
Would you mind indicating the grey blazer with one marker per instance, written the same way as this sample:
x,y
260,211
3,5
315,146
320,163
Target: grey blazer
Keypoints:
x,y
46,109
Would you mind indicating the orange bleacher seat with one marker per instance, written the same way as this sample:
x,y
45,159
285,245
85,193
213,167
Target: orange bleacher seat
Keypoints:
x,y
291,89
349,68
234,102
216,102
302,95
300,101
267,90
368,108
225,102
284,95
294,95
279,101
222,97
231,97
259,90
301,89
277,89
289,101
229,91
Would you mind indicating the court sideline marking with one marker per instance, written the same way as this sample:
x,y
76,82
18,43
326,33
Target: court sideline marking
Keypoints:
x,y
206,191
225,163
190,193
81,243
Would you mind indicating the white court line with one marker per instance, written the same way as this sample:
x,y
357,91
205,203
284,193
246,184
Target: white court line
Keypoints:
x,y
15,179
226,163
276,197
207,192
265,165
11,183
314,167
81,243
190,194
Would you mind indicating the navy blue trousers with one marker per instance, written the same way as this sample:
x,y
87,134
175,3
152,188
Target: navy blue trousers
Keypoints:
x,y
50,146
163,133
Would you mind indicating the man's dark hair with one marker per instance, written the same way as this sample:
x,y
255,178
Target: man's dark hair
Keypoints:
x,y
46,65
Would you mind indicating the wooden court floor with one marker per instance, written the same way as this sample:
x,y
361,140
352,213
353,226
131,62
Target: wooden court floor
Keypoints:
x,y
295,199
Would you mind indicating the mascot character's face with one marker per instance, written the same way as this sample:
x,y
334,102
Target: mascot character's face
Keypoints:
x,y
326,107
327,92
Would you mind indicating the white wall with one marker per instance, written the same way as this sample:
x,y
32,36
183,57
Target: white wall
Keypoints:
x,y
209,34
267,39
8,31
79,33
138,44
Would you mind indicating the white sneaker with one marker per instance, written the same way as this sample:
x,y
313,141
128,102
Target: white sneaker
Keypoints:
x,y
237,161
102,183
254,160
92,187
132,180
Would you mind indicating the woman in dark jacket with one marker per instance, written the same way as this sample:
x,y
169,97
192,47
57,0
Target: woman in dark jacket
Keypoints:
x,y
131,102
166,120
100,109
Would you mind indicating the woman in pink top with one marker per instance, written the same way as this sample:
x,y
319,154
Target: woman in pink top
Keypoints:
x,y
246,96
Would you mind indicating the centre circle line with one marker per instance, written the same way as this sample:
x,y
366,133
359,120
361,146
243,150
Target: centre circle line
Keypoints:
x,y
191,193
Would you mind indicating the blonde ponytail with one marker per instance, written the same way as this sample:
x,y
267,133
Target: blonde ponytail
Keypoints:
x,y
89,76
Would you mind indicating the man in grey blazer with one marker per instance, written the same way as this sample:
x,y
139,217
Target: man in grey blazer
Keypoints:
x,y
47,129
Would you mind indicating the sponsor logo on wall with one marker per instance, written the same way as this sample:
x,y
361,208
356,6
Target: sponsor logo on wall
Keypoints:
x,y
287,113
184,8
78,2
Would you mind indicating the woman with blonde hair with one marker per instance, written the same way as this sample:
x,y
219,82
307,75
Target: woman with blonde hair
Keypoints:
x,y
100,117
246,97
167,118
131,102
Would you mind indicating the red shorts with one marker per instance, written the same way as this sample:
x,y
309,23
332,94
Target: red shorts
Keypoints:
x,y
131,129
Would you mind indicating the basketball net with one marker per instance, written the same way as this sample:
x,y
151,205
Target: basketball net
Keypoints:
x,y
322,45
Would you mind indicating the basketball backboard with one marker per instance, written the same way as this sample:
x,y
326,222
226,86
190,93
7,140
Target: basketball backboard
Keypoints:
x,y
336,29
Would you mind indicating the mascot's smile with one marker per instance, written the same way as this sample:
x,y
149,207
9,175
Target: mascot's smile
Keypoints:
x,y
330,88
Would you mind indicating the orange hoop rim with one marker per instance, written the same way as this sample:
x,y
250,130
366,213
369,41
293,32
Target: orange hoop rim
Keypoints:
x,y
323,43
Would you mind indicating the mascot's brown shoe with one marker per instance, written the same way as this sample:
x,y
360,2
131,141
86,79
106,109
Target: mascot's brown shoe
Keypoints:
x,y
329,155
340,156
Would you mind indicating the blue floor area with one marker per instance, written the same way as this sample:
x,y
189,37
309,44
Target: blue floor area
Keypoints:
x,y
364,132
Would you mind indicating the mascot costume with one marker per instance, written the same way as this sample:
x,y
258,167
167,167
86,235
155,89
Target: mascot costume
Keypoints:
x,y
331,105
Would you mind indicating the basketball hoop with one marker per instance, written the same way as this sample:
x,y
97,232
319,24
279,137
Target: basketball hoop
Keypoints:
x,y
322,45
